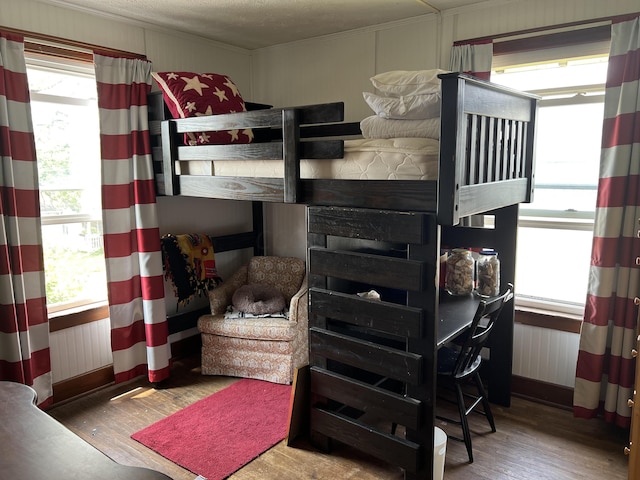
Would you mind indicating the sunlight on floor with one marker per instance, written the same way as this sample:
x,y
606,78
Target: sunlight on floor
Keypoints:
x,y
138,392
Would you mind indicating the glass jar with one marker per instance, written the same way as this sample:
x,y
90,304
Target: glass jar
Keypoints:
x,y
488,274
459,276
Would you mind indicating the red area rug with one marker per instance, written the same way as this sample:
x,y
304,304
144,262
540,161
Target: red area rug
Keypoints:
x,y
218,435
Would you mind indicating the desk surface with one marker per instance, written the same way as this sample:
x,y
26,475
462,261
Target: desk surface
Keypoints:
x,y
455,314
35,446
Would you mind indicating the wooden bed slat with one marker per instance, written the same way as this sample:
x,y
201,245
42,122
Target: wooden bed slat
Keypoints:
x,y
370,269
241,188
382,316
413,195
393,407
384,226
225,243
384,446
251,151
307,114
326,149
369,356
319,150
490,100
475,199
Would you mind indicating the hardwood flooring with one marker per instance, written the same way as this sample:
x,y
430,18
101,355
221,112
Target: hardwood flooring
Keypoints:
x,y
533,441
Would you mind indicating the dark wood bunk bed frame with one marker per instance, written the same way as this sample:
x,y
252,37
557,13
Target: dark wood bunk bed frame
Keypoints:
x,y
372,360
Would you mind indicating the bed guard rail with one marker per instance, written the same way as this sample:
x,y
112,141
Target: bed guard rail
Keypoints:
x,y
487,147
289,135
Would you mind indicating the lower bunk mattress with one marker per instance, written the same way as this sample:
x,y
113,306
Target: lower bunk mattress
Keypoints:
x,y
364,159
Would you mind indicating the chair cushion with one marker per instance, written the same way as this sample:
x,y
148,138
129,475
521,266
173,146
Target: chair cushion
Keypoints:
x,y
258,299
268,328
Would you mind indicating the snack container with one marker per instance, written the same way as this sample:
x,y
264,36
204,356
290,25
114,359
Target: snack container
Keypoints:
x,y
488,274
460,269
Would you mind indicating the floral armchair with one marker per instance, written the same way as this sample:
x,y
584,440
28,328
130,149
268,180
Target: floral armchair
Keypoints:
x,y
265,348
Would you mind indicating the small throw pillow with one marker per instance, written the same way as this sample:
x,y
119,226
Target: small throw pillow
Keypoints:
x,y
403,82
258,299
189,94
404,107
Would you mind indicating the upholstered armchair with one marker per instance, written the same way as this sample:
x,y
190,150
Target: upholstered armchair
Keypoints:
x,y
267,348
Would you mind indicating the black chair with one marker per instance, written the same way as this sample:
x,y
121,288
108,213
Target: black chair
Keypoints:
x,y
459,364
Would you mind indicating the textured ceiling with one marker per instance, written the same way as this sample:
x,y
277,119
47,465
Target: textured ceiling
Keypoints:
x,y
260,23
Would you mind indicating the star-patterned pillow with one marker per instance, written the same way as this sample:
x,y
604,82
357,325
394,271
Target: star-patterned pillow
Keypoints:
x,y
190,94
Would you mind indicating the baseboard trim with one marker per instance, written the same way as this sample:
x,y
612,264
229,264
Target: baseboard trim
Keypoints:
x,y
82,384
542,392
102,377
535,390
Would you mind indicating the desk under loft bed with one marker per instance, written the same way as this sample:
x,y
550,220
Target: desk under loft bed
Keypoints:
x,y
372,360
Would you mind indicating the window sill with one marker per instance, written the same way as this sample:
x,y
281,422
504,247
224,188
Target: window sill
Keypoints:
x,y
78,316
564,322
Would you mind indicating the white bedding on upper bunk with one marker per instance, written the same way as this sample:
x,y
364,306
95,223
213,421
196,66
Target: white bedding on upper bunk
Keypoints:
x,y
364,159
378,127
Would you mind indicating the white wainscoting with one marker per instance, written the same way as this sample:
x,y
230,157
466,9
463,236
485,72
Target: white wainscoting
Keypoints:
x,y
546,355
81,349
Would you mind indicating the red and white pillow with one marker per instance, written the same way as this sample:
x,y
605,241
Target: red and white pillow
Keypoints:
x,y
189,94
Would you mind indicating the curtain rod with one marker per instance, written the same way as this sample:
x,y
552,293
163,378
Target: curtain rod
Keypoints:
x,y
542,29
65,48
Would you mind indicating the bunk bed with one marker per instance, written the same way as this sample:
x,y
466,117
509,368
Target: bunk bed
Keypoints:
x,y
372,361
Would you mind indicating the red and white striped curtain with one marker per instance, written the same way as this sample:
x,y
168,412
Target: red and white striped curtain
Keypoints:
x,y
24,323
472,58
139,331
605,368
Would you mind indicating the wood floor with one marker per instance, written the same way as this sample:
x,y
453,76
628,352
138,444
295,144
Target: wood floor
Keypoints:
x,y
533,441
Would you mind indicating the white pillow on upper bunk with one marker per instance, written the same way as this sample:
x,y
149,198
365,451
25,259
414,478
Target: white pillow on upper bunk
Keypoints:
x,y
408,107
407,82
378,127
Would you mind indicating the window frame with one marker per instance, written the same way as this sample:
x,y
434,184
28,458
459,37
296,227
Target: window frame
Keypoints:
x,y
574,42
85,310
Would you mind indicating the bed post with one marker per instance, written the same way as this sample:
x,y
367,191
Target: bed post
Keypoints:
x,y
530,149
452,148
291,154
258,228
169,152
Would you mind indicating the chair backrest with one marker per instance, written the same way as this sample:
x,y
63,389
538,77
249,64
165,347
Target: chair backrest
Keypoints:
x,y
483,322
284,273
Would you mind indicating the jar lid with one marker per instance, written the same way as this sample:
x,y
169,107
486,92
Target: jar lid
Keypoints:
x,y
488,251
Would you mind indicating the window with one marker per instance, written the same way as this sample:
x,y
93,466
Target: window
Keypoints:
x,y
555,230
65,123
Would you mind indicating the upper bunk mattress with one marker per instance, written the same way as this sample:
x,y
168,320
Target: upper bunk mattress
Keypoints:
x,y
364,159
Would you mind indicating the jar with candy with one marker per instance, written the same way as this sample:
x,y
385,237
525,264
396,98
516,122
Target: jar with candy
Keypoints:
x,y
488,274
459,276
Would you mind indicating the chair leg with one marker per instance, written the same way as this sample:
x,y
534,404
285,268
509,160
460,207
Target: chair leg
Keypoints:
x,y
463,420
485,401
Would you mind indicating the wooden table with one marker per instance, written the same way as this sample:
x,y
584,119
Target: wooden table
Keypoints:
x,y
34,446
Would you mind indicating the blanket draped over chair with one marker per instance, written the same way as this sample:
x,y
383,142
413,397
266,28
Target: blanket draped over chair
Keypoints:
x,y
189,262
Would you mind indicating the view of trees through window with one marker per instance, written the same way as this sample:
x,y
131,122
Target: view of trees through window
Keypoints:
x,y
65,122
